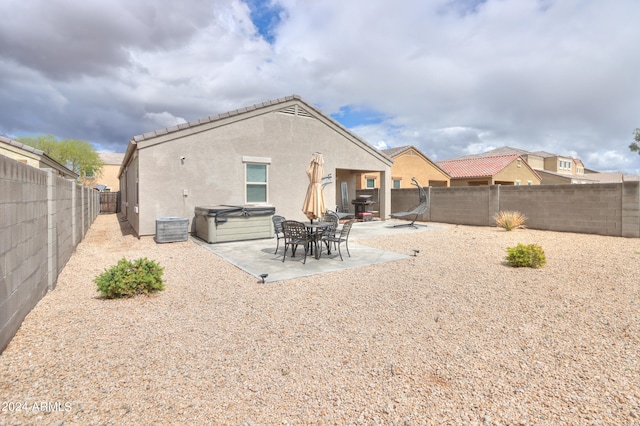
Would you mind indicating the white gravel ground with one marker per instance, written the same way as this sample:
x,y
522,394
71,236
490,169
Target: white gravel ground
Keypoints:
x,y
453,336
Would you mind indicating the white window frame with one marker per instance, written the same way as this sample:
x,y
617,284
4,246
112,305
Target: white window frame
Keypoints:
x,y
261,161
366,183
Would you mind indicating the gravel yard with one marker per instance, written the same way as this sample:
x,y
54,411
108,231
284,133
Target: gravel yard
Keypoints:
x,y
452,336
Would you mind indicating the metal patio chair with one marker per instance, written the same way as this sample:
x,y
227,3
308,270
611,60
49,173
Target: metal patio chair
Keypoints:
x,y
277,228
295,234
343,237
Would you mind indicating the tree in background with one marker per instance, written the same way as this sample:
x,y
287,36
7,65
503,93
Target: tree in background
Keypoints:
x,y
636,145
77,155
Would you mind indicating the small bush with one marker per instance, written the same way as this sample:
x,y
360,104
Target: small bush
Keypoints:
x,y
126,279
510,220
531,256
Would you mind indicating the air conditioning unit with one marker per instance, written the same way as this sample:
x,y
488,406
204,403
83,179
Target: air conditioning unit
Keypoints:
x,y
172,229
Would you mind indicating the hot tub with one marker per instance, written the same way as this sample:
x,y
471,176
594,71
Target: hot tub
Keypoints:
x,y
217,224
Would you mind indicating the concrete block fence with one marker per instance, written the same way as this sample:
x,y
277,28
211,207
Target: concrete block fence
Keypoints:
x,y
606,209
43,217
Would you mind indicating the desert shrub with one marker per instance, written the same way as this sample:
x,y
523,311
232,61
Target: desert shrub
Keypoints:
x,y
530,255
510,220
126,278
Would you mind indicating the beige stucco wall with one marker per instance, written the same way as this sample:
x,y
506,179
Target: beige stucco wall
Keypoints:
x,y
535,161
110,176
213,169
411,164
516,171
470,182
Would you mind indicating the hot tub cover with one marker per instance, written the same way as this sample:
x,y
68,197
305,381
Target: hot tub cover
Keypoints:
x,y
235,211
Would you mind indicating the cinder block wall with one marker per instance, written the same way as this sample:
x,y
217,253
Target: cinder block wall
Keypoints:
x,y
23,243
606,209
591,209
36,223
63,214
463,205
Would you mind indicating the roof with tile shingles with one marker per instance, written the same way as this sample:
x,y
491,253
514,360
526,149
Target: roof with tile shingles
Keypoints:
x,y
477,167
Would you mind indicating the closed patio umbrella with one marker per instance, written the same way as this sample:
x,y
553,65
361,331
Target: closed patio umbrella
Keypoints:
x,y
314,206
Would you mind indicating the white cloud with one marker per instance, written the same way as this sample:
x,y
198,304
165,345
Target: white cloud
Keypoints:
x,y
453,77
164,119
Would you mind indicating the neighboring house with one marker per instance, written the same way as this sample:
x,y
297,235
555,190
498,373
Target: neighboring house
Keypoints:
x,y
107,180
508,169
256,155
33,157
556,169
408,162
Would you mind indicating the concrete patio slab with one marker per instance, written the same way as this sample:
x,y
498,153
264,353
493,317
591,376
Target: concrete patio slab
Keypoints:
x,y
257,257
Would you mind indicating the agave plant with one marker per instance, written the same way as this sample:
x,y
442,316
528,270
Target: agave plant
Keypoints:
x,y
510,220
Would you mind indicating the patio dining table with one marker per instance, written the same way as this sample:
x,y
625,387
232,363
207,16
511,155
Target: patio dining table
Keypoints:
x,y
313,229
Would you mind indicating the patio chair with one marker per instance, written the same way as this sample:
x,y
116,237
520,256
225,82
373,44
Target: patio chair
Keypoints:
x,y
415,212
343,237
277,228
333,218
295,234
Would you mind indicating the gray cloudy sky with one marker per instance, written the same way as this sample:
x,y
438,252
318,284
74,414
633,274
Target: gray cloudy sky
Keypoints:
x,y
452,77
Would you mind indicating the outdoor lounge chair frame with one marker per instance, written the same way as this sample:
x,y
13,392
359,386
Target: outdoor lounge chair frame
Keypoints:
x,y
418,210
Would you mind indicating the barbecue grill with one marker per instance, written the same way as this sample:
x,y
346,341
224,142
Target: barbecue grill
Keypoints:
x,y
361,204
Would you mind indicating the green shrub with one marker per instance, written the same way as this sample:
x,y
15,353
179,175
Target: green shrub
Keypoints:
x,y
530,255
126,279
509,220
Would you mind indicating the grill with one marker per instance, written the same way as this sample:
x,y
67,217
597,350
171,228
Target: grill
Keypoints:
x,y
361,204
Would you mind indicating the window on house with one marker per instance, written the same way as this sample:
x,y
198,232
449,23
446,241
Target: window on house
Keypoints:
x,y
256,181
529,182
396,183
371,183
517,183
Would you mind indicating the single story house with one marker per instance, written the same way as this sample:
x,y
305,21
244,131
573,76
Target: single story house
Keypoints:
x,y
33,157
508,169
409,162
253,156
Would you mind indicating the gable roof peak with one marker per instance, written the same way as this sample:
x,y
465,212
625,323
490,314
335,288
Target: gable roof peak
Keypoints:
x,y
211,118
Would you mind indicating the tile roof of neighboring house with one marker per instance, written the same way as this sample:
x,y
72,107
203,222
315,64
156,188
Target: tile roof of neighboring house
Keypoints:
x,y
587,177
397,150
505,150
545,154
112,158
22,146
476,167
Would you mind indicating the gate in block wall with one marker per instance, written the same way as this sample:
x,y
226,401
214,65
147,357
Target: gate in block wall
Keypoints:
x,y
110,202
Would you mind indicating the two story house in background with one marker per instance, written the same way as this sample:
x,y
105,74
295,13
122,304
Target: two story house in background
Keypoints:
x,y
107,180
555,169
